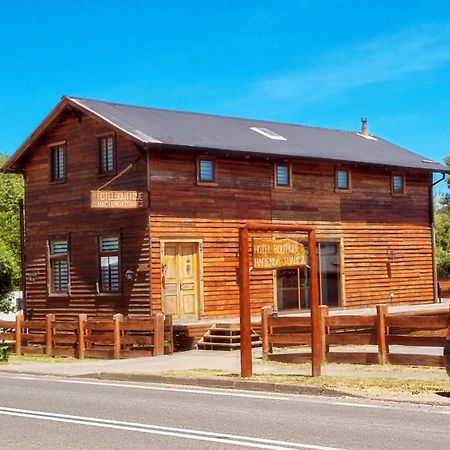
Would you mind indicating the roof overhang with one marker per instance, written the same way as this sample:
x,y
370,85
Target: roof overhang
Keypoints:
x,y
10,166
280,156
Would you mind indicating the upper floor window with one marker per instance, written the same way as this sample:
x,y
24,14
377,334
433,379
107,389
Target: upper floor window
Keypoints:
x,y
59,266
283,175
58,162
343,179
398,184
109,263
206,170
107,159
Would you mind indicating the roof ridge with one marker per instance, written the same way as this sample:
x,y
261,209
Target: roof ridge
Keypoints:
x,y
210,115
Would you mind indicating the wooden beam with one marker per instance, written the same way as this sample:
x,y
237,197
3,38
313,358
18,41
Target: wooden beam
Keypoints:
x,y
49,334
81,335
245,315
118,318
158,335
316,347
19,322
381,333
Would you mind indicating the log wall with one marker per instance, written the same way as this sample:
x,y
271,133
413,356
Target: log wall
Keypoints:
x,y
385,239
63,209
369,222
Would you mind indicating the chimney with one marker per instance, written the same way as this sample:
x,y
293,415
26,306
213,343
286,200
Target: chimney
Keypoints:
x,y
364,128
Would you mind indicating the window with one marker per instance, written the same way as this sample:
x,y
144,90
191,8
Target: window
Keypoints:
x,y
59,266
293,285
342,179
109,264
398,184
283,175
107,160
58,163
206,170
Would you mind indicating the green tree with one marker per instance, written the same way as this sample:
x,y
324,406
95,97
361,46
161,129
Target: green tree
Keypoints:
x,y
9,274
11,190
442,227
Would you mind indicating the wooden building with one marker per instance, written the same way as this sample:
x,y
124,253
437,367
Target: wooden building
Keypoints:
x,y
136,210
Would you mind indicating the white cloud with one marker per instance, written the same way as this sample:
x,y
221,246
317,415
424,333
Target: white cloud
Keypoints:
x,y
385,58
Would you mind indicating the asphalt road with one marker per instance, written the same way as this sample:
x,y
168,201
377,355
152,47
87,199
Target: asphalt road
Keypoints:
x,y
51,413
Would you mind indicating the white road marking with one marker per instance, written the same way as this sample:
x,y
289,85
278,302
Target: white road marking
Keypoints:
x,y
245,441
159,388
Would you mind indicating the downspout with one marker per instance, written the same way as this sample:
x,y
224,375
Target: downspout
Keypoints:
x,y
22,257
433,237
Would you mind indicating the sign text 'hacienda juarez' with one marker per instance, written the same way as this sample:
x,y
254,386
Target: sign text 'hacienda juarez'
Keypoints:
x,y
119,199
277,253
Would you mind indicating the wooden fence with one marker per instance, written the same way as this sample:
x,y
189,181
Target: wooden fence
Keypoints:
x,y
119,337
444,288
383,329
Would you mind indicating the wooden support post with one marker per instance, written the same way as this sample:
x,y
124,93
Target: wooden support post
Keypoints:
x,y
382,310
316,347
19,323
49,334
81,333
324,330
245,314
118,318
266,312
158,335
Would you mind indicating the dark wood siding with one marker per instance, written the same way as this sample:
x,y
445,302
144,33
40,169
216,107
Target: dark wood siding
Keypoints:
x,y
181,209
388,240
63,209
385,239
368,221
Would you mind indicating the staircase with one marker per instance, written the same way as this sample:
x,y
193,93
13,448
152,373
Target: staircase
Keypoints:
x,y
225,336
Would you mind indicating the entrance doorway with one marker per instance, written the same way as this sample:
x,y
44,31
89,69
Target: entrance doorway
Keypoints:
x,y
181,265
293,285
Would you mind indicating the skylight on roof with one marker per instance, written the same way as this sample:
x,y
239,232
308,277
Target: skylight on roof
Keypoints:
x,y
269,133
371,138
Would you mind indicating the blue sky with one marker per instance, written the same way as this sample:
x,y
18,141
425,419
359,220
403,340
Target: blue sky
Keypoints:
x,y
321,63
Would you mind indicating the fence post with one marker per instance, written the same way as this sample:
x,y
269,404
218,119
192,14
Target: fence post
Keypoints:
x,y
168,333
266,312
158,335
49,334
323,330
382,310
118,318
81,342
19,322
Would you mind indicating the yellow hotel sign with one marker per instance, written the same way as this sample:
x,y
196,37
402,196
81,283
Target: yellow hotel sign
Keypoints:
x,y
277,253
119,199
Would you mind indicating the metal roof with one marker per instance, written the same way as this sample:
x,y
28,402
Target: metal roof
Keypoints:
x,y
187,129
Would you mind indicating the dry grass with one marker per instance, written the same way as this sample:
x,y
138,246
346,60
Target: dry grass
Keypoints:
x,y
40,358
366,386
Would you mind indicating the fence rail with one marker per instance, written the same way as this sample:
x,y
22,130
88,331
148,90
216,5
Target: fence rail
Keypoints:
x,y
119,337
383,329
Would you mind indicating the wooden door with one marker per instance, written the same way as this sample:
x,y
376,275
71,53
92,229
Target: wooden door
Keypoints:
x,y
180,280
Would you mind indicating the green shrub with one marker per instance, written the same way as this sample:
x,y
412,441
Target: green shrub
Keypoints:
x,y
4,350
9,272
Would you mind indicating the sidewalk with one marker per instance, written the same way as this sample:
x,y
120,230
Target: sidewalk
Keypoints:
x,y
208,368
210,360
